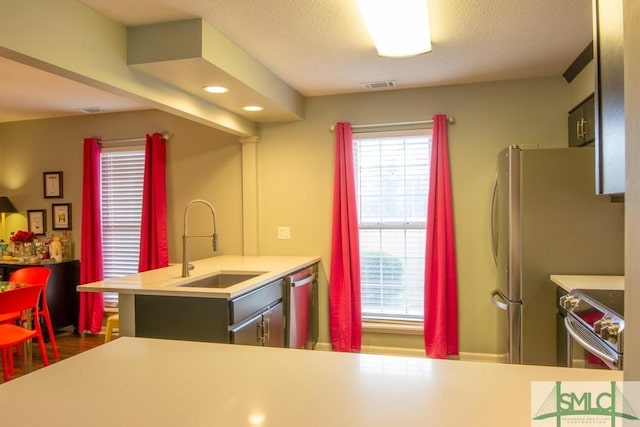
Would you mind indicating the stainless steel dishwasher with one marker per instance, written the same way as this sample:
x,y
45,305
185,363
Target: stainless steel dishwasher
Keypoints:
x,y
301,311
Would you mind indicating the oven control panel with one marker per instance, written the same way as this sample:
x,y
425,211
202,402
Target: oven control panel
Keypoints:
x,y
607,329
568,301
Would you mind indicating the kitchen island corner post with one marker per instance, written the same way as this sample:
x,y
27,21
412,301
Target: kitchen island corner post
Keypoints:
x,y
127,315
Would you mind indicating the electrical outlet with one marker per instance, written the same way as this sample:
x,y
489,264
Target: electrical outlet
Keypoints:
x,y
284,233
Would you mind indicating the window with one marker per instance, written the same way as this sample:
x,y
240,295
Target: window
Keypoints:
x,y
122,174
392,180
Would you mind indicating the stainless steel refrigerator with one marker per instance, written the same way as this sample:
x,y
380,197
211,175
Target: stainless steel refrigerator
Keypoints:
x,y
546,219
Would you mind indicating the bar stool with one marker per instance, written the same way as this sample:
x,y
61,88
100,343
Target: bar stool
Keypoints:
x,y
113,322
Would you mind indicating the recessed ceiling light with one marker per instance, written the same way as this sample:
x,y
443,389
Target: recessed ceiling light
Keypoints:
x,y
252,108
215,89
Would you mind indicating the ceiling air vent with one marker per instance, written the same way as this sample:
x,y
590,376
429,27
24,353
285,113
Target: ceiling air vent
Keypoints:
x,y
379,85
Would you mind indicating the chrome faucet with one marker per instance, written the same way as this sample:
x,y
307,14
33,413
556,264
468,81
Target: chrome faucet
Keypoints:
x,y
186,267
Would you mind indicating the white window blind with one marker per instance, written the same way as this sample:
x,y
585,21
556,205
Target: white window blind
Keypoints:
x,y
122,173
392,180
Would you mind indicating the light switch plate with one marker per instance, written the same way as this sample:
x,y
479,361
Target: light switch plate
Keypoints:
x,y
284,233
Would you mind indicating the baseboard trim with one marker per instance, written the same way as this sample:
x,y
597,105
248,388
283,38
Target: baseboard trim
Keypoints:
x,y
322,346
419,352
484,357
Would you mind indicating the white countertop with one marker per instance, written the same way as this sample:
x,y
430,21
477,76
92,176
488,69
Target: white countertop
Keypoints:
x,y
147,382
166,281
568,283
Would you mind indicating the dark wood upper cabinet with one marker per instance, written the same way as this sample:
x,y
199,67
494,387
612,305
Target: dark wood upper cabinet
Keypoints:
x,y
609,97
582,123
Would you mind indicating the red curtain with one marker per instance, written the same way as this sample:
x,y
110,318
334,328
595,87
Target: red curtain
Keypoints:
x,y
345,319
440,287
154,247
91,270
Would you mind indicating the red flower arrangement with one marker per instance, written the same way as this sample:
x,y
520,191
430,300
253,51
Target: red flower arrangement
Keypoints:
x,y
22,237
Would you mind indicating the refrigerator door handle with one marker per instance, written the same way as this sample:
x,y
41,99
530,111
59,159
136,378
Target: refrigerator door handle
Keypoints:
x,y
492,229
498,300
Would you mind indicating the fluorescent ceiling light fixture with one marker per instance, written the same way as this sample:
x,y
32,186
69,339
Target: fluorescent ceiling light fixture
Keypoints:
x,y
215,89
398,27
252,108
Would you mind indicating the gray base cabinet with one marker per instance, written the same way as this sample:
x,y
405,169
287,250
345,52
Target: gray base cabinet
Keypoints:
x,y
255,318
182,318
283,313
265,329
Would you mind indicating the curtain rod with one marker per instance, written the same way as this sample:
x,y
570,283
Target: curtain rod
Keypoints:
x,y
450,119
125,141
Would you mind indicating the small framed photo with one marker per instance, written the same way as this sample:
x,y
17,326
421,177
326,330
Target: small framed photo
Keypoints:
x,y
37,220
52,182
61,216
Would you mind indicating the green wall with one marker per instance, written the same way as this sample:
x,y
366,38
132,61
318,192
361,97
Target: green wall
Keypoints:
x,y
294,171
296,178
202,163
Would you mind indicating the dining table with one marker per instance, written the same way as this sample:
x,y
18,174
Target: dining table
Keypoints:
x,y
27,351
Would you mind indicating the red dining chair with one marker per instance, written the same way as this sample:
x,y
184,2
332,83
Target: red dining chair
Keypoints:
x,y
38,276
10,317
19,300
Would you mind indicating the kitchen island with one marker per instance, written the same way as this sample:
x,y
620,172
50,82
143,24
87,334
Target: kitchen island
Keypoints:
x,y
162,304
149,382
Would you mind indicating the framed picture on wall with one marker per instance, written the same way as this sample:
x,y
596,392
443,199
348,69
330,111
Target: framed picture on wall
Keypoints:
x,y
61,216
37,221
52,182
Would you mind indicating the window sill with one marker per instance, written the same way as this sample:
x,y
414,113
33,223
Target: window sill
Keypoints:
x,y
391,327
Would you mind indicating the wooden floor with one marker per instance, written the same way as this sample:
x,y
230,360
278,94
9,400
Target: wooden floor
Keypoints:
x,y
69,344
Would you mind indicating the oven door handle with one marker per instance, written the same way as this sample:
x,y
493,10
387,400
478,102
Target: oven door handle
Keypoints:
x,y
576,335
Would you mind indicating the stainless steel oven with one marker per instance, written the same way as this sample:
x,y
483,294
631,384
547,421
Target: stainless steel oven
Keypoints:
x,y
595,321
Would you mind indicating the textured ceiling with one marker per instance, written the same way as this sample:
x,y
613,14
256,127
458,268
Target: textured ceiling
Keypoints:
x,y
321,47
27,93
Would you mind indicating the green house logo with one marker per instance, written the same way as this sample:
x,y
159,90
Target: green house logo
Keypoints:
x,y
587,407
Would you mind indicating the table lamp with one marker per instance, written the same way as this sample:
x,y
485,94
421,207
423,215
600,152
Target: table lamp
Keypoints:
x,y
5,207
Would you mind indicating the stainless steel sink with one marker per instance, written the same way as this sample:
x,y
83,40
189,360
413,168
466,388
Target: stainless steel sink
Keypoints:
x,y
220,280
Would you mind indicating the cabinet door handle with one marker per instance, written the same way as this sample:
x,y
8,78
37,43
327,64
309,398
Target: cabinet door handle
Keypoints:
x,y
265,330
262,328
260,332
578,129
